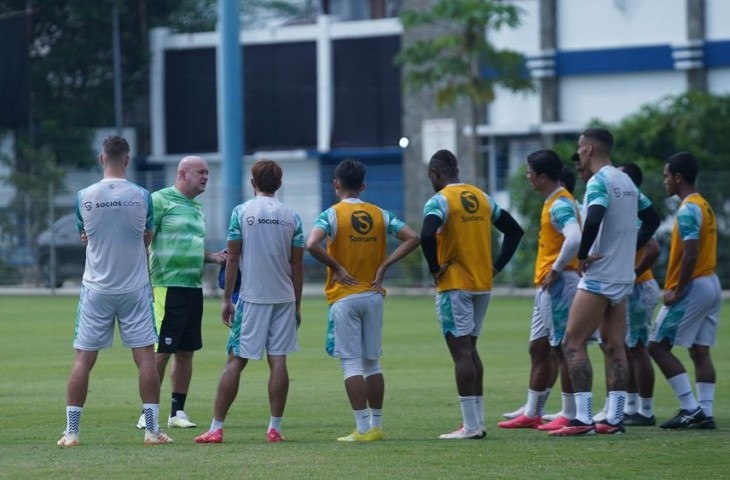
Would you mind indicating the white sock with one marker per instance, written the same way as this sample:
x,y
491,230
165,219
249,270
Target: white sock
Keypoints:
x,y
706,396
215,425
616,405
605,405
632,403
568,408
480,410
275,423
151,413
646,406
362,420
469,412
682,388
535,403
73,419
584,407
376,418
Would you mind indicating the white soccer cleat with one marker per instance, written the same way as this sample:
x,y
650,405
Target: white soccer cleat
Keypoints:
x,y
68,440
159,438
549,417
141,423
180,420
515,414
463,434
600,416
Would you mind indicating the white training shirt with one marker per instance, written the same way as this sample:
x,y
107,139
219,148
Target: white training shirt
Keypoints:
x,y
268,230
114,212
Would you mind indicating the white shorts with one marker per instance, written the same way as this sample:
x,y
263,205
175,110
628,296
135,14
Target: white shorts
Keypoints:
x,y
614,292
642,301
693,319
259,327
551,309
355,327
461,313
96,314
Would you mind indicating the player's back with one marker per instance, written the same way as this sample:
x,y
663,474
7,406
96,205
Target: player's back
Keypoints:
x,y
114,213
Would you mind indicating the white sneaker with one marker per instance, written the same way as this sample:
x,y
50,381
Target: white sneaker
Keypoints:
x,y
463,434
549,417
180,420
159,438
515,414
600,416
141,423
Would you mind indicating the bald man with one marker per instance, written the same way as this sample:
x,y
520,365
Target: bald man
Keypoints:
x,y
176,258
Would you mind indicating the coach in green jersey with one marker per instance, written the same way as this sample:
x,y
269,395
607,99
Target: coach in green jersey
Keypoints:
x,y
176,255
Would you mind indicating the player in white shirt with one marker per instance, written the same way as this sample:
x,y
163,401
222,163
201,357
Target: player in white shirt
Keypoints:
x,y
115,219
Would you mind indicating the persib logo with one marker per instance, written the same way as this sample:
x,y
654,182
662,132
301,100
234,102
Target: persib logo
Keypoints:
x,y
469,201
361,221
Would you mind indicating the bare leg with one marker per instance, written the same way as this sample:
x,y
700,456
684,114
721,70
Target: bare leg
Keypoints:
x,y
78,379
228,386
278,384
149,382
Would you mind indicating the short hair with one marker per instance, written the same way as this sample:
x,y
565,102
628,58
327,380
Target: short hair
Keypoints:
x,y
685,164
266,175
567,178
634,172
350,173
115,147
575,157
601,136
445,162
547,162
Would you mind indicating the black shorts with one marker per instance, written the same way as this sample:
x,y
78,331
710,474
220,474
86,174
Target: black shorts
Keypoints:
x,y
179,315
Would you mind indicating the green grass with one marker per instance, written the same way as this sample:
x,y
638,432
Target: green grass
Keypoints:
x,y
36,354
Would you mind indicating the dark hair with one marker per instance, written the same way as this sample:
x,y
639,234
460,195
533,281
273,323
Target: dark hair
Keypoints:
x,y
685,164
634,172
547,162
115,147
445,162
567,178
601,136
266,175
575,157
350,173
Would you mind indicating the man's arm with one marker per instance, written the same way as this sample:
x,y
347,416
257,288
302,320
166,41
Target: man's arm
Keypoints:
x,y
234,256
297,278
215,257
314,247
649,223
409,241
431,224
652,250
690,254
512,235
592,223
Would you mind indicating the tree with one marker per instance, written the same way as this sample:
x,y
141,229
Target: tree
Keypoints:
x,y
462,64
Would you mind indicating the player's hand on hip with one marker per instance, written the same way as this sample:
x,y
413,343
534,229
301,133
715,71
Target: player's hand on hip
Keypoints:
x,y
437,276
342,276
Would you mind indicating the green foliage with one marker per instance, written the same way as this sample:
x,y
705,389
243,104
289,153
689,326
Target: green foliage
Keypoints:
x,y
420,403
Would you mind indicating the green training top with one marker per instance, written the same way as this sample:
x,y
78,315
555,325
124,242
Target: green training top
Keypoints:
x,y
177,250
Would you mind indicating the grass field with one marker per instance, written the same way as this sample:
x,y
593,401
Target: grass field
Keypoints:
x,y
36,354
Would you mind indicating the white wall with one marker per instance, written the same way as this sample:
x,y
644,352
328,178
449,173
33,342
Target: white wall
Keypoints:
x,y
591,24
717,19
612,97
718,81
526,37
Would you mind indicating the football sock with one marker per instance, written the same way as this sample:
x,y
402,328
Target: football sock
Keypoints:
x,y
632,403
215,425
706,396
535,403
362,420
151,413
376,418
616,405
73,418
275,423
479,402
682,388
469,412
646,406
178,403
568,408
584,407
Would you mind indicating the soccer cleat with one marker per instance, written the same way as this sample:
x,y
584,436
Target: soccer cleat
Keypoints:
x,y
685,419
273,436
375,434
639,420
159,438
600,416
215,436
464,434
515,414
522,421
556,424
180,420
141,423
605,428
708,424
68,440
575,428
552,416
354,437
